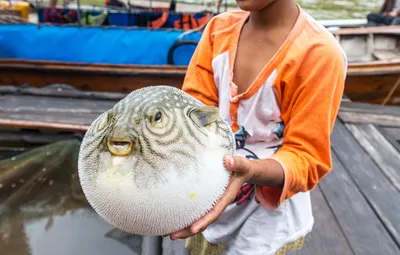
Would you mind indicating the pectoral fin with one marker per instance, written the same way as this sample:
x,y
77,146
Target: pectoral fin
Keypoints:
x,y
104,120
205,115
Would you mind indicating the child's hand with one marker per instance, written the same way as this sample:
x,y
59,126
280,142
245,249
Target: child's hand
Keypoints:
x,y
242,172
395,13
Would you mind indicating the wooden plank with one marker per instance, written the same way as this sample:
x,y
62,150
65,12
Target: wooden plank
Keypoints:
x,y
371,85
366,118
326,231
69,111
81,108
51,117
19,103
114,69
369,108
363,229
60,90
42,125
386,54
73,114
88,80
395,132
383,197
30,137
391,135
394,30
380,150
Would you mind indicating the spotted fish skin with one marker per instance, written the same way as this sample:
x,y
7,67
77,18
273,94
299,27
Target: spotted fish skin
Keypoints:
x,y
173,173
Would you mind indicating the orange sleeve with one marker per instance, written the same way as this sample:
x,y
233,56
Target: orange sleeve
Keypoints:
x,y
310,101
199,78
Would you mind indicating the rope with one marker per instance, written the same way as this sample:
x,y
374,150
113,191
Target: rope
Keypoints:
x,y
11,19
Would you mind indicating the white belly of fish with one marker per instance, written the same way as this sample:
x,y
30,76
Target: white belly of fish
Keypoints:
x,y
175,204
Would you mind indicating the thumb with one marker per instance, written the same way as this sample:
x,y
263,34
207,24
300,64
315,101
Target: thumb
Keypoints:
x,y
237,164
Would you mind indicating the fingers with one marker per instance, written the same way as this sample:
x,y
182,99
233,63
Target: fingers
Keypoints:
x,y
237,164
226,199
240,167
187,232
182,234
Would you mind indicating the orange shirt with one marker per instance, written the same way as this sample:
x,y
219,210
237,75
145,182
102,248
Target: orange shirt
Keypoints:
x,y
303,83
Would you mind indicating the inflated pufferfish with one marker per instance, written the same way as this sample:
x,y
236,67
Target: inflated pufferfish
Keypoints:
x,y
153,164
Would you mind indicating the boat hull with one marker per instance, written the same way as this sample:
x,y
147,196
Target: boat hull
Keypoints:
x,y
88,77
122,60
374,89
369,83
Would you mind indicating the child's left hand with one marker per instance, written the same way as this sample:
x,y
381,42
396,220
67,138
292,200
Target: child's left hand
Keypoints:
x,y
242,172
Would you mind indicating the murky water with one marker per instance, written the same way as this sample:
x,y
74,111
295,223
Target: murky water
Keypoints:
x,y
319,9
50,220
53,223
328,9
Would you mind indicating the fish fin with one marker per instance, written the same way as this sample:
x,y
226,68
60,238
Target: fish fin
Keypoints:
x,y
104,120
204,115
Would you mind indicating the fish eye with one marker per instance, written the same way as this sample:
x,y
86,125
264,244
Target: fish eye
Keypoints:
x,y
157,117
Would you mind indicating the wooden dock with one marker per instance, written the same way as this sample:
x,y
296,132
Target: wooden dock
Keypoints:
x,y
356,207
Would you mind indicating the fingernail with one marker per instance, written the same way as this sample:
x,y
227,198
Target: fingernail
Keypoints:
x,y
230,161
226,159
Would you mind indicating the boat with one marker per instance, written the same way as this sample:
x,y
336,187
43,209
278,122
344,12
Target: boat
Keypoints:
x,y
131,15
374,63
118,60
122,58
165,15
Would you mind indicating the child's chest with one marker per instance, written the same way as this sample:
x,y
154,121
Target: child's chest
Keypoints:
x,y
251,59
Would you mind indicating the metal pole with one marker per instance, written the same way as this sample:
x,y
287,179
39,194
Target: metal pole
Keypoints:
x,y
129,13
37,13
79,12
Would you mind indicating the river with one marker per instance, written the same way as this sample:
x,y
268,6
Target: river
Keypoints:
x,y
351,9
319,9
328,9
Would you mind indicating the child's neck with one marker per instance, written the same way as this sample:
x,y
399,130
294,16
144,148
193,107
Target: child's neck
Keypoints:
x,y
282,13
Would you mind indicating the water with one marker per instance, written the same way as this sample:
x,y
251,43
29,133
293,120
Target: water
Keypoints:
x,y
351,9
54,223
52,218
319,9
329,9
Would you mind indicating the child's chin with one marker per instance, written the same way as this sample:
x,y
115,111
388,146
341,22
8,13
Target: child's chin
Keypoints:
x,y
247,5
252,5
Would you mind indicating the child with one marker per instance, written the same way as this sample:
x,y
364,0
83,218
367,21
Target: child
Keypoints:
x,y
388,15
278,78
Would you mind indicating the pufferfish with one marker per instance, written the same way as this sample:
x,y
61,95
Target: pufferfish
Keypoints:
x,y
153,164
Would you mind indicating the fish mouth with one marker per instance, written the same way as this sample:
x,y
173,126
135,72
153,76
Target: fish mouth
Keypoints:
x,y
119,146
